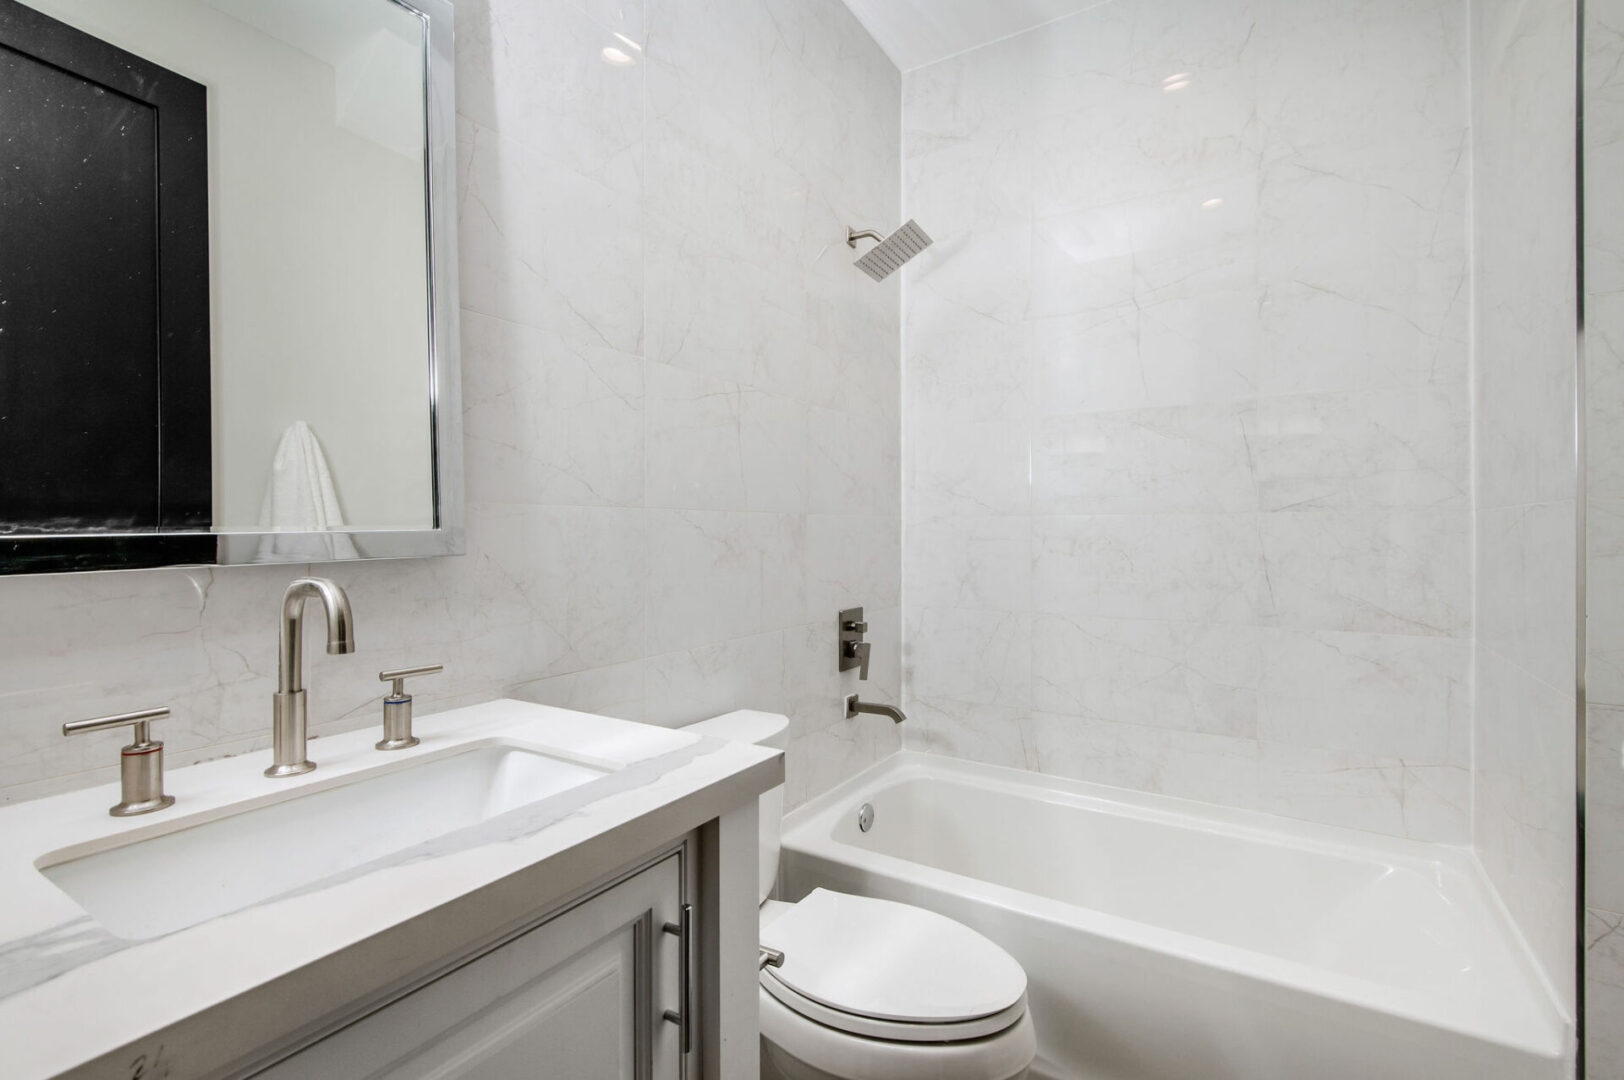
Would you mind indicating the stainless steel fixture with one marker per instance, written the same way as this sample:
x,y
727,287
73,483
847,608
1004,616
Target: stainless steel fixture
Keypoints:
x,y
769,958
397,707
853,707
894,250
865,817
288,725
140,764
853,649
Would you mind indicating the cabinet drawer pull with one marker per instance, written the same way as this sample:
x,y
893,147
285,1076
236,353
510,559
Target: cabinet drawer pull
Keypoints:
x,y
683,1016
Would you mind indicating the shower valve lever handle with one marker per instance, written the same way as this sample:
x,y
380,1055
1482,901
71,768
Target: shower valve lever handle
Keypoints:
x,y
859,650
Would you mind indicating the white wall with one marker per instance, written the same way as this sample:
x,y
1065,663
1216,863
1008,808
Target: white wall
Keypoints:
x,y
681,413
317,249
1187,446
1525,304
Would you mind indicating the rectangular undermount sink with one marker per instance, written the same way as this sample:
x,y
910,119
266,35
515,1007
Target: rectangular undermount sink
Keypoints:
x,y
167,883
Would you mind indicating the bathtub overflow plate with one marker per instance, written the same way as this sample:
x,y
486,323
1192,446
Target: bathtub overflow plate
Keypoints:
x,y
865,817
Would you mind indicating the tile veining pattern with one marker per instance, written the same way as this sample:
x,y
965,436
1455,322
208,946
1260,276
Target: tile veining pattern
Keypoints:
x,y
1187,481
1524,280
681,413
1604,520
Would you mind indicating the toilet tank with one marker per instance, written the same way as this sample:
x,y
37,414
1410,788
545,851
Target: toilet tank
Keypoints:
x,y
762,729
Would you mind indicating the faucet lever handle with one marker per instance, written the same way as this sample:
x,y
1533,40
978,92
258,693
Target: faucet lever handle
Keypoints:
x,y
398,676
397,707
140,764
138,720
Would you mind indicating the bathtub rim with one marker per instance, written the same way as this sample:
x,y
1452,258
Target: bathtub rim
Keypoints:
x,y
809,831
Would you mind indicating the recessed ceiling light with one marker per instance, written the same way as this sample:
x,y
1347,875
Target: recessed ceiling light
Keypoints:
x,y
1211,203
624,40
1176,82
612,55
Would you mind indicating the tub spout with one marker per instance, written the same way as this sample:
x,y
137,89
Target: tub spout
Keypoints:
x,y
854,706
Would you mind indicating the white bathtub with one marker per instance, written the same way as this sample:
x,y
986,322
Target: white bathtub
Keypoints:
x,y
1171,940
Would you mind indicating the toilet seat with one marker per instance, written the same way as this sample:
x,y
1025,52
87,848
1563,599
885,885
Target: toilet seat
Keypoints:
x,y
893,1030
799,1049
890,971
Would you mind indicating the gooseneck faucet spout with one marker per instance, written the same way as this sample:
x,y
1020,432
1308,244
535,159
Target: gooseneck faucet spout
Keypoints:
x,y
854,706
288,718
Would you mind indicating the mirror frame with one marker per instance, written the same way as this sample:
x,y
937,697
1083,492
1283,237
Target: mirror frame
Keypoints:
x,y
68,552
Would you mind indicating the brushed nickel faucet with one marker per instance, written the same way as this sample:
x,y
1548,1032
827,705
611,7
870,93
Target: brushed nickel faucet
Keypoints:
x,y
854,707
397,707
288,722
140,764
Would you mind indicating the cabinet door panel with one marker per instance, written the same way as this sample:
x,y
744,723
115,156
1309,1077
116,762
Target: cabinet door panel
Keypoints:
x,y
579,996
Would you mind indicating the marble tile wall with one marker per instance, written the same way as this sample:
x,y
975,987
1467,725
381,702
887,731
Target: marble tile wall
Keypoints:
x,y
1525,300
1604,541
1188,403
681,416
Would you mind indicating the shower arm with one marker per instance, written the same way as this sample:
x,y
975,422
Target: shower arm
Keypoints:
x,y
852,236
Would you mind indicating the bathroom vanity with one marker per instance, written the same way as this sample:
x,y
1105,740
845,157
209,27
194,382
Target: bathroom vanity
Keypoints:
x,y
527,884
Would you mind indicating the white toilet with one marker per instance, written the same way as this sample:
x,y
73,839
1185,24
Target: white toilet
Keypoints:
x,y
870,989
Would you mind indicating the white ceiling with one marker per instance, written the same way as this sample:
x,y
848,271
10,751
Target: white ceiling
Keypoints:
x,y
914,33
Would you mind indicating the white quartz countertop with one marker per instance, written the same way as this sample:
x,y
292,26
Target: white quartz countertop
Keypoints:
x,y
72,993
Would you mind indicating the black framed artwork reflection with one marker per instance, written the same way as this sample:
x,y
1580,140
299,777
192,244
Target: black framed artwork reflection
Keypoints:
x,y
104,304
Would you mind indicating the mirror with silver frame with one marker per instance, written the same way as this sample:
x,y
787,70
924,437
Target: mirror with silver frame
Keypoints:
x,y
228,283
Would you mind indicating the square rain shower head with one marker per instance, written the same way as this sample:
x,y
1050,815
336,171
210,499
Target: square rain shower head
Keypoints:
x,y
894,250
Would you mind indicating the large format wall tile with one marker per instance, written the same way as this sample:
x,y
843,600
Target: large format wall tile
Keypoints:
x,y
1192,416
1378,449
1525,474
1189,676
1188,444
562,427
1196,567
1604,993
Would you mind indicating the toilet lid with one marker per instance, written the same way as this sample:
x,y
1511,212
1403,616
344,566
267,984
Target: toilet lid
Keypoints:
x,y
890,961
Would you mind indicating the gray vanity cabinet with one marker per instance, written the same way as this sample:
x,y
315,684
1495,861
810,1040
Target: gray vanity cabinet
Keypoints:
x,y
584,994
